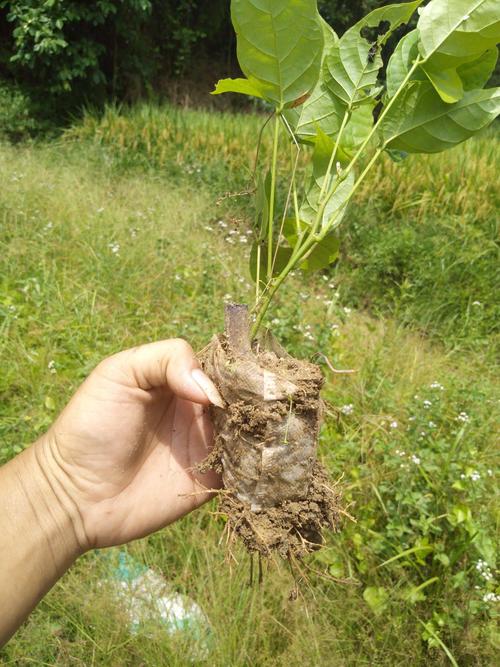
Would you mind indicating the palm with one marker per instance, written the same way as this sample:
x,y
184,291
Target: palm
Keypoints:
x,y
130,455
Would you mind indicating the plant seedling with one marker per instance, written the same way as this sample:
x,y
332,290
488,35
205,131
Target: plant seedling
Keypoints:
x,y
329,99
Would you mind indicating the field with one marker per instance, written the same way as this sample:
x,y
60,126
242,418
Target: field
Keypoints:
x,y
128,229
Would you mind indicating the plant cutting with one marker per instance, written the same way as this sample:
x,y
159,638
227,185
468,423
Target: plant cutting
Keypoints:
x,y
341,109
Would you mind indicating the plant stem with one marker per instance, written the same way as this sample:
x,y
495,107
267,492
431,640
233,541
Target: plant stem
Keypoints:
x,y
301,252
272,199
386,109
307,244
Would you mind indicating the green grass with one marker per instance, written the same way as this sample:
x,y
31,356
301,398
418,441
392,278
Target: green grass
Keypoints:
x,y
104,245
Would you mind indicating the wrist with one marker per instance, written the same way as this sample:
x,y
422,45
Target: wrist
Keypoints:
x,y
55,514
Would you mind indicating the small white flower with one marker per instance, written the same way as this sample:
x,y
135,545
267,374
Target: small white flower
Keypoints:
x,y
475,476
491,597
334,327
393,424
463,417
490,472
437,385
416,460
427,404
114,247
227,297
222,224
347,409
52,366
48,226
275,321
432,424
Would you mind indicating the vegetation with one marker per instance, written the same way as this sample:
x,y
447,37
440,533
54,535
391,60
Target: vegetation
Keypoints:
x,y
99,251
70,53
433,99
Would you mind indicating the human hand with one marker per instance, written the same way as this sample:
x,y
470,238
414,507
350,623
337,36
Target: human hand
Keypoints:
x,y
123,452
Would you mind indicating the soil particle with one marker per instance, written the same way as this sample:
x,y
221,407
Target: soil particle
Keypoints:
x,y
266,442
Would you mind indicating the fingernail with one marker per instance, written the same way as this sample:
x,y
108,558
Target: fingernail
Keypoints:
x,y
208,387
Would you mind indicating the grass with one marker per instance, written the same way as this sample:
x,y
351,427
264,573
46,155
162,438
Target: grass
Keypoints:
x,y
99,251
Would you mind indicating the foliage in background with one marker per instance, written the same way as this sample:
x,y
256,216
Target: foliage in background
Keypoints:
x,y
68,53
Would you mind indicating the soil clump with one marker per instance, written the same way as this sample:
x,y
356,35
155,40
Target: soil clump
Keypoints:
x,y
278,498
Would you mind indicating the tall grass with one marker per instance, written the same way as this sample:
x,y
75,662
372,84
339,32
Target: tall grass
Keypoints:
x,y
103,247
419,241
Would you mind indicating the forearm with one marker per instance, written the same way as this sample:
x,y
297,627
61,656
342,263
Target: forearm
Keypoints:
x,y
39,537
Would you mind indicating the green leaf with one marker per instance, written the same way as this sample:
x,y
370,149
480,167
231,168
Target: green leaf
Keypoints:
x,y
321,109
403,57
279,46
420,122
243,86
477,73
323,255
283,255
457,31
447,83
354,63
450,83
337,204
262,197
376,598
359,126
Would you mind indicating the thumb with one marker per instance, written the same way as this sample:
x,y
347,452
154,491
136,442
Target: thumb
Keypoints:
x,y
167,363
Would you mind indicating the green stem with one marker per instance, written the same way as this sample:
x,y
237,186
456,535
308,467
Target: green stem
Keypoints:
x,y
272,199
385,111
301,252
345,120
307,244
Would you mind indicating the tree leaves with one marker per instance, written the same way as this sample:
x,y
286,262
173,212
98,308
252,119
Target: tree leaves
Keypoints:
x,y
450,83
243,86
420,122
453,34
458,31
279,46
321,109
354,63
